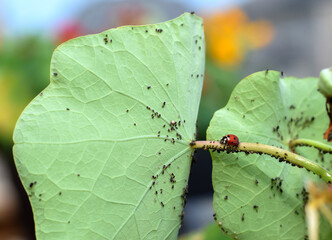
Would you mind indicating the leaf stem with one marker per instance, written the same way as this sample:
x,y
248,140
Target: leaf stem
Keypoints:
x,y
311,143
278,153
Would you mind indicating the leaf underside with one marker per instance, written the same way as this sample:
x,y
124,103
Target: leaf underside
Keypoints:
x,y
87,147
268,109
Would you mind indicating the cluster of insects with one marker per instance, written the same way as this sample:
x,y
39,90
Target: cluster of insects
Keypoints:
x,y
106,40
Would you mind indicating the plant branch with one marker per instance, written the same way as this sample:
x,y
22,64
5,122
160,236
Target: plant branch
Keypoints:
x,y
278,153
311,143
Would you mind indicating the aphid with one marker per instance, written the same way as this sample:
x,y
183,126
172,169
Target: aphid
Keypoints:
x,y
226,197
255,207
181,216
55,74
172,122
242,218
267,71
159,30
164,103
230,139
162,204
148,87
192,12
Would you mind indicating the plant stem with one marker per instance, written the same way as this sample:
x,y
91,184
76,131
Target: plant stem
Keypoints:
x,y
278,153
311,143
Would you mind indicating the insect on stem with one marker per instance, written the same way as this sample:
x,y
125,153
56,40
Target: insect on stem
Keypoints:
x,y
257,148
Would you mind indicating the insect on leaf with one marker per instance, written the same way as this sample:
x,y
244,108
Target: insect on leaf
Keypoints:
x,y
256,196
103,152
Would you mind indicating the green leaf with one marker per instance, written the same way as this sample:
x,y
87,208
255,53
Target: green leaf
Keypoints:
x,y
210,232
269,109
325,82
87,147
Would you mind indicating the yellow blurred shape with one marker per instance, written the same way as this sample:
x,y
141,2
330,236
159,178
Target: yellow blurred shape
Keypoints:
x,y
320,200
230,35
13,98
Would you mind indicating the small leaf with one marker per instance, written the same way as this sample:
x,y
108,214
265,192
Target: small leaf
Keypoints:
x,y
210,232
103,152
325,82
256,197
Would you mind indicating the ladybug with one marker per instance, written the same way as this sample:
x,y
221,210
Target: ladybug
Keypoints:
x,y
230,139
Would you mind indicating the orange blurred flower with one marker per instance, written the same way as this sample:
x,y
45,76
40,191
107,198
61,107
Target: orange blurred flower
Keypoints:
x,y
230,35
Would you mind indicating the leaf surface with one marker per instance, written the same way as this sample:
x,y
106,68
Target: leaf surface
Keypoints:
x,y
257,197
97,151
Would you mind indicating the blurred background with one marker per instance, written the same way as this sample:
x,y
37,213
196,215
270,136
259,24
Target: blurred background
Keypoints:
x,y
242,37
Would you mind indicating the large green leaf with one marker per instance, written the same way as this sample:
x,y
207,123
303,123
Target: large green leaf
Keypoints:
x,y
90,145
269,109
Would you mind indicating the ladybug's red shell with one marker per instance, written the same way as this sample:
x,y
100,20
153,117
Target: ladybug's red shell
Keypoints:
x,y
232,140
